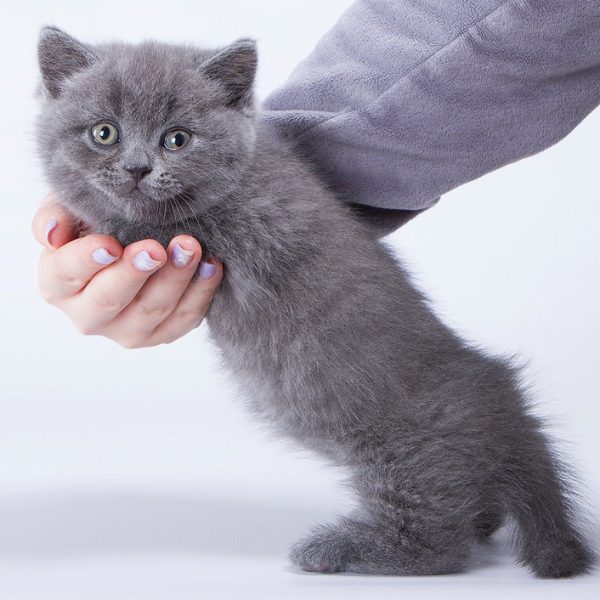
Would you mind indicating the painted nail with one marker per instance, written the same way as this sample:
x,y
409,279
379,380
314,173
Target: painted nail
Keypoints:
x,y
181,257
103,257
142,261
52,223
207,270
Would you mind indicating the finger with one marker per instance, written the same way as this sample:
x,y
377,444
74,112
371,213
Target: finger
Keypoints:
x,y
193,306
111,290
52,225
66,271
161,293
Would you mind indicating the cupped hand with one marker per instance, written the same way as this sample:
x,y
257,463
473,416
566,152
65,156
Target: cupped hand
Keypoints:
x,y
141,295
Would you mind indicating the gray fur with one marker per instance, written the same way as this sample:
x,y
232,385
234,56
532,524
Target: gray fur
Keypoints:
x,y
315,318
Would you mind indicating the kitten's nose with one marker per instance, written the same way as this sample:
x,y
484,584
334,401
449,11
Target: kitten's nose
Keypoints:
x,y
138,172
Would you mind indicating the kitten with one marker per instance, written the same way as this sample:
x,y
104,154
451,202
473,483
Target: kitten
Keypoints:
x,y
315,318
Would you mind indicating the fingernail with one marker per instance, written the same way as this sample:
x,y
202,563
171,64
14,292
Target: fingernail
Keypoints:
x,y
144,262
207,270
103,257
181,257
52,223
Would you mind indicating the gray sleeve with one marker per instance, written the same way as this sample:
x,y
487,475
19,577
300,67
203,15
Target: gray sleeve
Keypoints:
x,y
404,100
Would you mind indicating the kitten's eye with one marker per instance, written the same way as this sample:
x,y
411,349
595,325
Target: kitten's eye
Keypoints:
x,y
105,133
176,139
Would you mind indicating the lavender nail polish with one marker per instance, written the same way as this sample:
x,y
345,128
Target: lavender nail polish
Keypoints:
x,y
144,262
181,257
103,257
207,270
52,223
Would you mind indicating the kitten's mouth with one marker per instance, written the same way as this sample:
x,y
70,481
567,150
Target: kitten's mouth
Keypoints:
x,y
143,198
137,204
137,194
132,204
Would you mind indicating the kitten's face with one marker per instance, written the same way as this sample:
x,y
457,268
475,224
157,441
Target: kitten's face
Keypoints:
x,y
143,132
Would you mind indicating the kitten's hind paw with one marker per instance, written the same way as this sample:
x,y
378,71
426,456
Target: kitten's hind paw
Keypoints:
x,y
566,558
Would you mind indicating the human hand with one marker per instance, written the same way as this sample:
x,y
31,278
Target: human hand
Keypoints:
x,y
138,296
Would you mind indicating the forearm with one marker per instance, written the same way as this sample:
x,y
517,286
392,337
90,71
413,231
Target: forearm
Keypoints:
x,y
404,100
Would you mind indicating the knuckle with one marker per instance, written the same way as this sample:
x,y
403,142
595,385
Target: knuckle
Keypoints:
x,y
67,278
190,315
133,341
154,312
168,337
84,328
106,302
47,295
130,344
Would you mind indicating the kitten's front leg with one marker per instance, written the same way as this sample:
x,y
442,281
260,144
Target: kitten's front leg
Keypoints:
x,y
409,524
378,547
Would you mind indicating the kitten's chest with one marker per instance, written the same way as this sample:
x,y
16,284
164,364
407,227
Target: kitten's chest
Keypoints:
x,y
276,375
257,350
127,233
290,404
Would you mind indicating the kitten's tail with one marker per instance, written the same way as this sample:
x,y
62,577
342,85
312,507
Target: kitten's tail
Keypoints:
x,y
548,538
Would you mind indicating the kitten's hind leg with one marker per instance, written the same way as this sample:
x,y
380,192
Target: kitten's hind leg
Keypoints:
x,y
551,543
487,522
378,547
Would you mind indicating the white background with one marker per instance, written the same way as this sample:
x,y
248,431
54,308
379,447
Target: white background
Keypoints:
x,y
137,474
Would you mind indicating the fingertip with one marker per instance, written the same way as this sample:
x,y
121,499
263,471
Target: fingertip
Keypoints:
x,y
211,271
58,232
187,241
103,249
153,247
145,255
219,269
52,225
184,251
219,265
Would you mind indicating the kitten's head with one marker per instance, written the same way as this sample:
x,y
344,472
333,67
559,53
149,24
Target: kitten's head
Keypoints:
x,y
134,131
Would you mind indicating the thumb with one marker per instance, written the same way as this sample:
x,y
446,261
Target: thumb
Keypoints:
x,y
52,225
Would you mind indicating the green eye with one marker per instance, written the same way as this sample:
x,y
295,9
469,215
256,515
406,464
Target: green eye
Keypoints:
x,y
176,139
105,134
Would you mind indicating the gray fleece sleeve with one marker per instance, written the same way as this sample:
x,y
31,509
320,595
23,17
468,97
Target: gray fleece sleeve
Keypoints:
x,y
404,100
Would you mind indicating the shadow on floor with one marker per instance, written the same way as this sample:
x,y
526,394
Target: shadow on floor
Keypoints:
x,y
117,521
113,521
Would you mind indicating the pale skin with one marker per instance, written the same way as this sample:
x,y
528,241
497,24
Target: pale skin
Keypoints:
x,y
137,300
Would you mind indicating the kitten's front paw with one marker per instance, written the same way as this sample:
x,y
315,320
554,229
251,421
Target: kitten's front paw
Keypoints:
x,y
327,550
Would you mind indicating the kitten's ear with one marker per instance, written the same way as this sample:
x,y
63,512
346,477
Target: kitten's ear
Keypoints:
x,y
234,68
60,56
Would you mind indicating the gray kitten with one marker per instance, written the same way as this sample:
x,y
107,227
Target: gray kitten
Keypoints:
x,y
316,319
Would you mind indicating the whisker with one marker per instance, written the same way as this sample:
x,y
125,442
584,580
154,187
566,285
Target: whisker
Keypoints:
x,y
187,200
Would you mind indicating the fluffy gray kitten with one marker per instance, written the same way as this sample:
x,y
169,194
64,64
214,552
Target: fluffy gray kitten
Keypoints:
x,y
317,320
